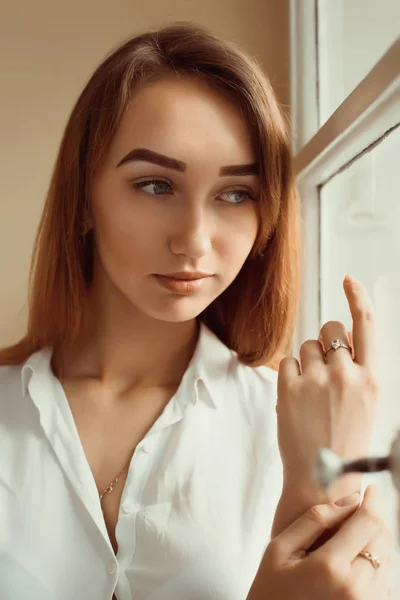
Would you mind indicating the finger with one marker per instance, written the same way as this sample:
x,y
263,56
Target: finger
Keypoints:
x,y
334,330
365,336
302,533
371,583
311,355
358,531
379,547
289,367
350,336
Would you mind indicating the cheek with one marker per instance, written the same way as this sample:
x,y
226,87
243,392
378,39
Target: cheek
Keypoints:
x,y
124,242
241,237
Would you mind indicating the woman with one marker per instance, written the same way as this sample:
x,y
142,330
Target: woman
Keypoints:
x,y
139,409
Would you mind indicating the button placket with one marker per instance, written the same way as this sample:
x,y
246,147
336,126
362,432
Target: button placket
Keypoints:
x,y
131,502
112,568
129,505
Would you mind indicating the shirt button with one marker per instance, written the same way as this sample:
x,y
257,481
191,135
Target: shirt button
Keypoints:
x,y
112,567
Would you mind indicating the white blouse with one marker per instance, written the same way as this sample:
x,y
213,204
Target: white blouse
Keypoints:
x,y
198,503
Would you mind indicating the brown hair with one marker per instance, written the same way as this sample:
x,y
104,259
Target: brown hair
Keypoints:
x,y
255,315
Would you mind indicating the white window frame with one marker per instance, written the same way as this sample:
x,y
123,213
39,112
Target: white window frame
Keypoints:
x,y
365,117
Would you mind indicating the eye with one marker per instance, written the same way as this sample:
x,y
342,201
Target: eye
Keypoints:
x,y
245,195
160,186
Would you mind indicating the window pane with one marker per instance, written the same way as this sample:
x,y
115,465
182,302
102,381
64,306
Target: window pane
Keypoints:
x,y
360,235
352,36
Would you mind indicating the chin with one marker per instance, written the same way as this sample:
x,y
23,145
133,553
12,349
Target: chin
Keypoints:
x,y
176,316
176,312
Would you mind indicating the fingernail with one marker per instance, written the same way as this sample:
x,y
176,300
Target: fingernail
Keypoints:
x,y
348,500
349,279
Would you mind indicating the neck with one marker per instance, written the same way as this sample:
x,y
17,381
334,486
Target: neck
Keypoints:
x,y
127,350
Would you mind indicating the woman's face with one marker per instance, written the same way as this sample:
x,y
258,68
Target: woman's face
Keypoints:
x,y
182,212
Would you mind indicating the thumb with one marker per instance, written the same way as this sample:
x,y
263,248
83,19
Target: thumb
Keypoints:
x,y
303,532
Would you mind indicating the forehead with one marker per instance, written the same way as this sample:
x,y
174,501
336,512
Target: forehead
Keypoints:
x,y
185,117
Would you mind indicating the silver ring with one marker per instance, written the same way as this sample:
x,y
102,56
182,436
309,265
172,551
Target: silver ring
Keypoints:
x,y
376,563
335,345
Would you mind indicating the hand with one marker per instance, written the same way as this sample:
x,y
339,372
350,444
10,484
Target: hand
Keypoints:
x,y
334,571
329,403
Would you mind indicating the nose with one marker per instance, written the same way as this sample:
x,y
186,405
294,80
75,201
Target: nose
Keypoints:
x,y
192,235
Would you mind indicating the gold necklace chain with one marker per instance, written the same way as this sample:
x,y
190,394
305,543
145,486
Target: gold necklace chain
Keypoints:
x,y
110,486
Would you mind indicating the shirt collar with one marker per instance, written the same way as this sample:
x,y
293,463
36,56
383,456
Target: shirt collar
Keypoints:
x,y
210,364
36,362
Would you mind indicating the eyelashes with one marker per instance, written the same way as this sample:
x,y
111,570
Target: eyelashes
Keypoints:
x,y
147,182
166,184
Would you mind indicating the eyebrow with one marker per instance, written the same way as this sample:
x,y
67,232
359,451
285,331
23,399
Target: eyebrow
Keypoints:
x,y
143,154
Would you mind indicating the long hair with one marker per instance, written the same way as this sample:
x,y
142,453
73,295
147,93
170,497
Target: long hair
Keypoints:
x,y
255,316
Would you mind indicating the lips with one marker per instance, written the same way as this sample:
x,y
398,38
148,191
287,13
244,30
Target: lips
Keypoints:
x,y
182,286
187,276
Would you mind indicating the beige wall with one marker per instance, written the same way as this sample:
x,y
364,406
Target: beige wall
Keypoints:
x,y
48,48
